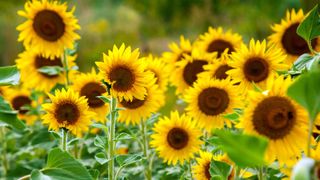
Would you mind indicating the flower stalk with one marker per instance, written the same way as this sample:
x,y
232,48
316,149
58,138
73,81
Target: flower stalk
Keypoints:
x,y
147,172
111,142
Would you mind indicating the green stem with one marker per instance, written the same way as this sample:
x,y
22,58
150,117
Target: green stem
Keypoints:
x,y
261,175
147,172
64,139
190,169
111,149
66,67
237,173
76,150
4,150
309,137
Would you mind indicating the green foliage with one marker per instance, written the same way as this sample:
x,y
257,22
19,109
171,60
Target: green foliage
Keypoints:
x,y
244,150
309,28
303,170
305,91
61,166
51,70
9,75
9,116
219,170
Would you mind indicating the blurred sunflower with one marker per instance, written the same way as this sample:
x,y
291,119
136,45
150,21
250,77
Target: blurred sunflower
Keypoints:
x,y
67,110
216,40
19,99
217,69
49,28
188,68
29,63
178,51
278,118
160,71
89,85
209,100
126,73
256,64
286,38
137,110
176,138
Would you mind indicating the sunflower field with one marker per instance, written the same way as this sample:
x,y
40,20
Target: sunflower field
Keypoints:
x,y
121,101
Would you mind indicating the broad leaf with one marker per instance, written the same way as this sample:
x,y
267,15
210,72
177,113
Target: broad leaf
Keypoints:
x,y
251,148
51,70
306,91
219,170
101,158
128,159
9,75
309,28
9,116
100,142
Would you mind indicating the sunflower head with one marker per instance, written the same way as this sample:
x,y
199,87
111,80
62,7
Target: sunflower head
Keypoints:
x,y
216,40
123,69
286,38
178,51
176,138
275,116
257,64
29,62
67,110
89,85
49,27
160,70
188,69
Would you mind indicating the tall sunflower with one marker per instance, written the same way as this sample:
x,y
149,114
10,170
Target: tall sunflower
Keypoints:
x,y
216,40
160,70
256,64
286,38
29,62
126,72
67,110
176,138
278,118
178,51
49,27
137,110
18,98
209,100
89,85
188,68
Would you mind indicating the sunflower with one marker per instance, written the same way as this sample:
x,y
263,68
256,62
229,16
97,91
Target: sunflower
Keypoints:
x,y
178,51
176,138
256,64
137,110
286,38
216,40
188,68
210,99
67,110
89,85
160,71
19,98
278,118
217,69
49,27
126,73
29,63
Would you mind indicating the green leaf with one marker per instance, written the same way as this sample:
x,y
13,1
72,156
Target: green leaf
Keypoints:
x,y
100,142
309,28
306,91
9,75
101,158
251,148
104,99
232,116
9,116
100,126
123,136
219,170
302,62
94,173
128,159
51,70
61,166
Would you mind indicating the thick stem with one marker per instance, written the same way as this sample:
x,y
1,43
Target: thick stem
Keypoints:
x,y
147,172
261,175
111,143
64,139
66,67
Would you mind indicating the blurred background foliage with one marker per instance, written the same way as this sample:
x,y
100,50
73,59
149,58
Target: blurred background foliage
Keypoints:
x,y
150,24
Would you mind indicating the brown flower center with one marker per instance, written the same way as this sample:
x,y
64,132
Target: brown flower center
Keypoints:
x,y
91,91
19,101
221,72
123,78
213,101
134,104
67,112
207,171
177,138
42,61
220,46
48,25
256,69
293,43
192,69
274,117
